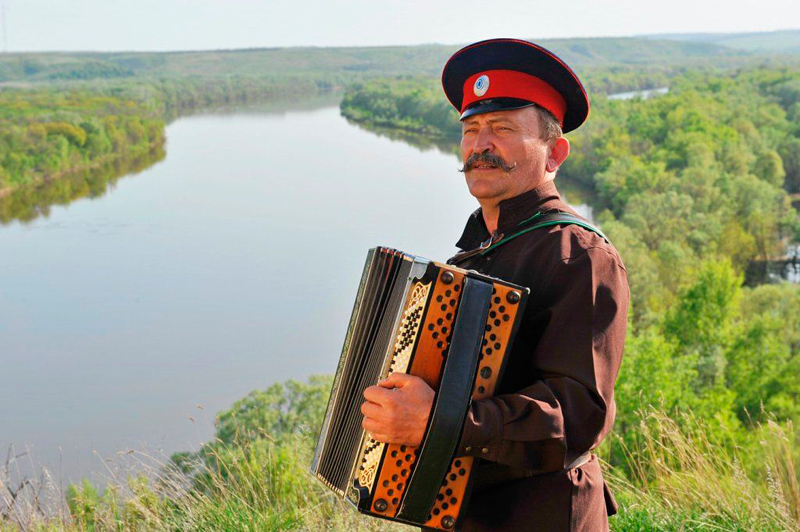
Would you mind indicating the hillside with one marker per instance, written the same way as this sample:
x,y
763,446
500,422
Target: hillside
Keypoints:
x,y
784,41
342,63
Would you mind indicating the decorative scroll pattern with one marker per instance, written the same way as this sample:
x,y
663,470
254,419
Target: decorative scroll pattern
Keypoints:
x,y
371,450
371,457
499,324
409,326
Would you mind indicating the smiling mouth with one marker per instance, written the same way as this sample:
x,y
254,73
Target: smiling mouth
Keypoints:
x,y
483,166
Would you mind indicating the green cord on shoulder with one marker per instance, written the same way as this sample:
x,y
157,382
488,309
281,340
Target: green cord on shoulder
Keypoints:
x,y
541,220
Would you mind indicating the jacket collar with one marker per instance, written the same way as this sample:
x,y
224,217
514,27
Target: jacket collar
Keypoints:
x,y
512,212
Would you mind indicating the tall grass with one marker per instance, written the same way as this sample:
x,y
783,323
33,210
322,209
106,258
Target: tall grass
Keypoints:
x,y
683,476
678,476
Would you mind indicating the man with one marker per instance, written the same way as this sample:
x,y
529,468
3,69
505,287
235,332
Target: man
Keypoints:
x,y
555,401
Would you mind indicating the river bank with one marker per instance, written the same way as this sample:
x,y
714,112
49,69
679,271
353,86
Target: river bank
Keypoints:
x,y
52,131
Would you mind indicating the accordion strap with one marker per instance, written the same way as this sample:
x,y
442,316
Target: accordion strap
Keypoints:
x,y
537,221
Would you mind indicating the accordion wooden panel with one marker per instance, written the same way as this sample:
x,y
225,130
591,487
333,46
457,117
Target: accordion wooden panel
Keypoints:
x,y
448,326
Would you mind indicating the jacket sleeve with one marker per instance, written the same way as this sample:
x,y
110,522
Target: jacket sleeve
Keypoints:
x,y
572,345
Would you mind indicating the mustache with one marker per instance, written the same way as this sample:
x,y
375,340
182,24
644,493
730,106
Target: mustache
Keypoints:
x,y
488,158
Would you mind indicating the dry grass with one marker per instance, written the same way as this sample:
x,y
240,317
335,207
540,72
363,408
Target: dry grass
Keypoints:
x,y
686,476
680,478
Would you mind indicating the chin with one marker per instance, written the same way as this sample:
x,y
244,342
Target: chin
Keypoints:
x,y
483,188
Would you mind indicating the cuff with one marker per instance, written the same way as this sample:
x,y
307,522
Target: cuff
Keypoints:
x,y
483,430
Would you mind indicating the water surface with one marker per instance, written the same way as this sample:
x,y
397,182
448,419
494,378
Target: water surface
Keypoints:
x,y
228,266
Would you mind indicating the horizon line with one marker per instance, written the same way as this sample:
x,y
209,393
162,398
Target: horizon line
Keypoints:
x,y
319,47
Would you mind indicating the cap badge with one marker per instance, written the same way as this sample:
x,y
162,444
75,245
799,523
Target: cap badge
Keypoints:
x,y
481,85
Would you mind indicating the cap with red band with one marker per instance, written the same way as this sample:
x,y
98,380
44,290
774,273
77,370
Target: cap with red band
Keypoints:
x,y
504,74
492,84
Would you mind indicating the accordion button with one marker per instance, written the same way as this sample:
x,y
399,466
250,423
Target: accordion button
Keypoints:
x,y
381,505
485,450
468,449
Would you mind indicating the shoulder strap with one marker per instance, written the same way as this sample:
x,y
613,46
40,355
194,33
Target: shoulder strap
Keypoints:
x,y
537,221
540,220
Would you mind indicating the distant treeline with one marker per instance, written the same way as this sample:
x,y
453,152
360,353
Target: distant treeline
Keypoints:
x,y
48,131
359,62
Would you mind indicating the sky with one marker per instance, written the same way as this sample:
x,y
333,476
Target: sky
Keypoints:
x,y
161,25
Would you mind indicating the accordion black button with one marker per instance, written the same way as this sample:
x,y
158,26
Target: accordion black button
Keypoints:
x,y
381,505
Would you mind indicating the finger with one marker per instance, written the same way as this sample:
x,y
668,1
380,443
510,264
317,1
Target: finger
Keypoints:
x,y
376,394
372,426
382,438
397,380
370,409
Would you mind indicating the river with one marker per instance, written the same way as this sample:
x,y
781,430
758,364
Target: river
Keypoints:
x,y
130,318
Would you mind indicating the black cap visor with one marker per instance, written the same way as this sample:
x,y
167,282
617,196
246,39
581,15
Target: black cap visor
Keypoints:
x,y
494,104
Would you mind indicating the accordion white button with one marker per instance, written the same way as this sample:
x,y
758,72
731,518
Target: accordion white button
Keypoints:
x,y
468,449
485,450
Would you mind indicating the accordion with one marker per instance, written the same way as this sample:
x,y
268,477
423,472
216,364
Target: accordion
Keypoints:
x,y
452,328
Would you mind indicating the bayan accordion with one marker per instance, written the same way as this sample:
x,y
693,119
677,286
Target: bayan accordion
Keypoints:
x,y
452,328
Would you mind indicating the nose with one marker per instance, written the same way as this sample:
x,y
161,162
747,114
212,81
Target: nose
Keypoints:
x,y
482,141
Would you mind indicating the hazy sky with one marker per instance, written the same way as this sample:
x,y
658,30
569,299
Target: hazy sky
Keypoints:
x,y
207,24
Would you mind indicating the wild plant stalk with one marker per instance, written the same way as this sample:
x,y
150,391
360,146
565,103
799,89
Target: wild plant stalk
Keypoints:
x,y
685,476
685,472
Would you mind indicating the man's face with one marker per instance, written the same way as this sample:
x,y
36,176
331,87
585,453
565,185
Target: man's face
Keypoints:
x,y
514,136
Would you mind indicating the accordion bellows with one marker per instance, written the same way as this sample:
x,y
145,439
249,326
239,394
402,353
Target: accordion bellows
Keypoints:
x,y
452,328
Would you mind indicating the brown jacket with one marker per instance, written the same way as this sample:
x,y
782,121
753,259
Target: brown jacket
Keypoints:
x,y
556,398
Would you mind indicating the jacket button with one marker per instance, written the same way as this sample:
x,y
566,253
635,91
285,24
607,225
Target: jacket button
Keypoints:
x,y
468,449
485,450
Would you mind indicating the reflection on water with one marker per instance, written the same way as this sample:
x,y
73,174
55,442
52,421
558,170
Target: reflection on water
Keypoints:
x,y
775,271
643,94
28,203
573,192
417,140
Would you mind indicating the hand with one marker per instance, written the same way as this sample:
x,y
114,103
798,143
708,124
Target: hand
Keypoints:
x,y
397,409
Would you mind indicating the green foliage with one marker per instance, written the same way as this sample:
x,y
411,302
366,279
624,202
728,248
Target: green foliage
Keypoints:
x,y
413,104
696,174
44,133
282,410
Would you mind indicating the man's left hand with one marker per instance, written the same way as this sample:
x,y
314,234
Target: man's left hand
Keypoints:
x,y
397,409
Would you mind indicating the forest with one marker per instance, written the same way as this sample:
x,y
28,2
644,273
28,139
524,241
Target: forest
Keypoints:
x,y
698,188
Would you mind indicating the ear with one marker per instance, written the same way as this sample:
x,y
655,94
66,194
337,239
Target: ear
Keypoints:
x,y
558,153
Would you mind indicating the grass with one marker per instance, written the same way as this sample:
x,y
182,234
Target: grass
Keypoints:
x,y
678,476
684,476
